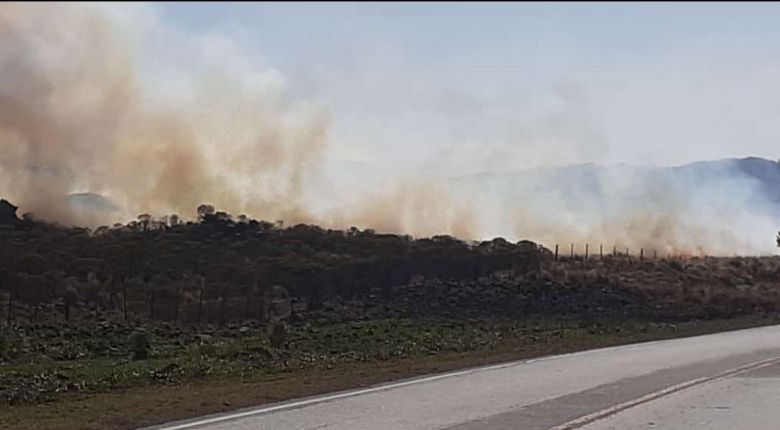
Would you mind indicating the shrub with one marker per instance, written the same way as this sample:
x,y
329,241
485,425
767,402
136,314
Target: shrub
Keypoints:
x,y
278,335
139,345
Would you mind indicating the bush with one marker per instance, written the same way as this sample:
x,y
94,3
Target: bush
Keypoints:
x,y
278,335
139,345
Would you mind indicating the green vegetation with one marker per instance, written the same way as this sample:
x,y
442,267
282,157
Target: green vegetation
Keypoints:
x,y
48,362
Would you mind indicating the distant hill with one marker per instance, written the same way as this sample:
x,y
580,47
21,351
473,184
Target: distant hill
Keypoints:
x,y
91,202
759,176
765,173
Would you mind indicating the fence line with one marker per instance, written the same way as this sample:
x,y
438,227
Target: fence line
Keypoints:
x,y
642,255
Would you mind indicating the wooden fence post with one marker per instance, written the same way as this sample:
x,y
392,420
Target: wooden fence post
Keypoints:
x,y
556,252
9,317
601,252
586,252
571,254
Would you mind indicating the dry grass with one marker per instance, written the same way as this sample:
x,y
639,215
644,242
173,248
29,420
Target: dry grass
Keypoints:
x,y
698,287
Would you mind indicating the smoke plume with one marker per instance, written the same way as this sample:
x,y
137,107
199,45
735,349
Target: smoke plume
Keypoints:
x,y
84,108
75,116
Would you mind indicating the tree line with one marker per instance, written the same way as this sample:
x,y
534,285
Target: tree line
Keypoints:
x,y
220,267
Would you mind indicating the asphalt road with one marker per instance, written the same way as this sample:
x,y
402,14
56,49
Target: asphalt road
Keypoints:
x,y
726,380
747,401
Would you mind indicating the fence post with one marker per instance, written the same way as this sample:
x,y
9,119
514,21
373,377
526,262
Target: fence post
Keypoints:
x,y
10,308
572,251
614,250
655,254
556,252
601,252
586,252
641,254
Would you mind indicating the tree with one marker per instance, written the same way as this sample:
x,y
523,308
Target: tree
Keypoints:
x,y
127,260
35,291
145,221
205,210
8,283
173,220
70,297
31,264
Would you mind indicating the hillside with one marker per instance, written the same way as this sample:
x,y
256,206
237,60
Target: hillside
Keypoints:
x,y
593,180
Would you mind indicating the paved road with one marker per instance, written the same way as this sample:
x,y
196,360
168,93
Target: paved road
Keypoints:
x,y
725,380
748,401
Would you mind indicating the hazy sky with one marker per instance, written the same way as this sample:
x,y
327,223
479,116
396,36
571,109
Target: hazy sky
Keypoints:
x,y
463,87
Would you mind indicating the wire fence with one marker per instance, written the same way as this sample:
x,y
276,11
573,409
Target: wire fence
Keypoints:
x,y
587,252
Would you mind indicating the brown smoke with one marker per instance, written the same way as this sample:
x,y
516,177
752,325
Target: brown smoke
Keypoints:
x,y
73,117
419,208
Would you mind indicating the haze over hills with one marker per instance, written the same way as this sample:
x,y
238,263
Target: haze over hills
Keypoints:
x,y
91,202
579,179
761,177
763,171
720,206
723,206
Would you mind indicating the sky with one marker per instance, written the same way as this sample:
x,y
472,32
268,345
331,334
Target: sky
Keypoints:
x,y
470,87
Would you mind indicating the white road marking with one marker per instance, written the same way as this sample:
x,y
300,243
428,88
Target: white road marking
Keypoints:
x,y
604,413
327,398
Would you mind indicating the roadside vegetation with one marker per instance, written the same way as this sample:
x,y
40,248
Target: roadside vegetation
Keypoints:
x,y
159,319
